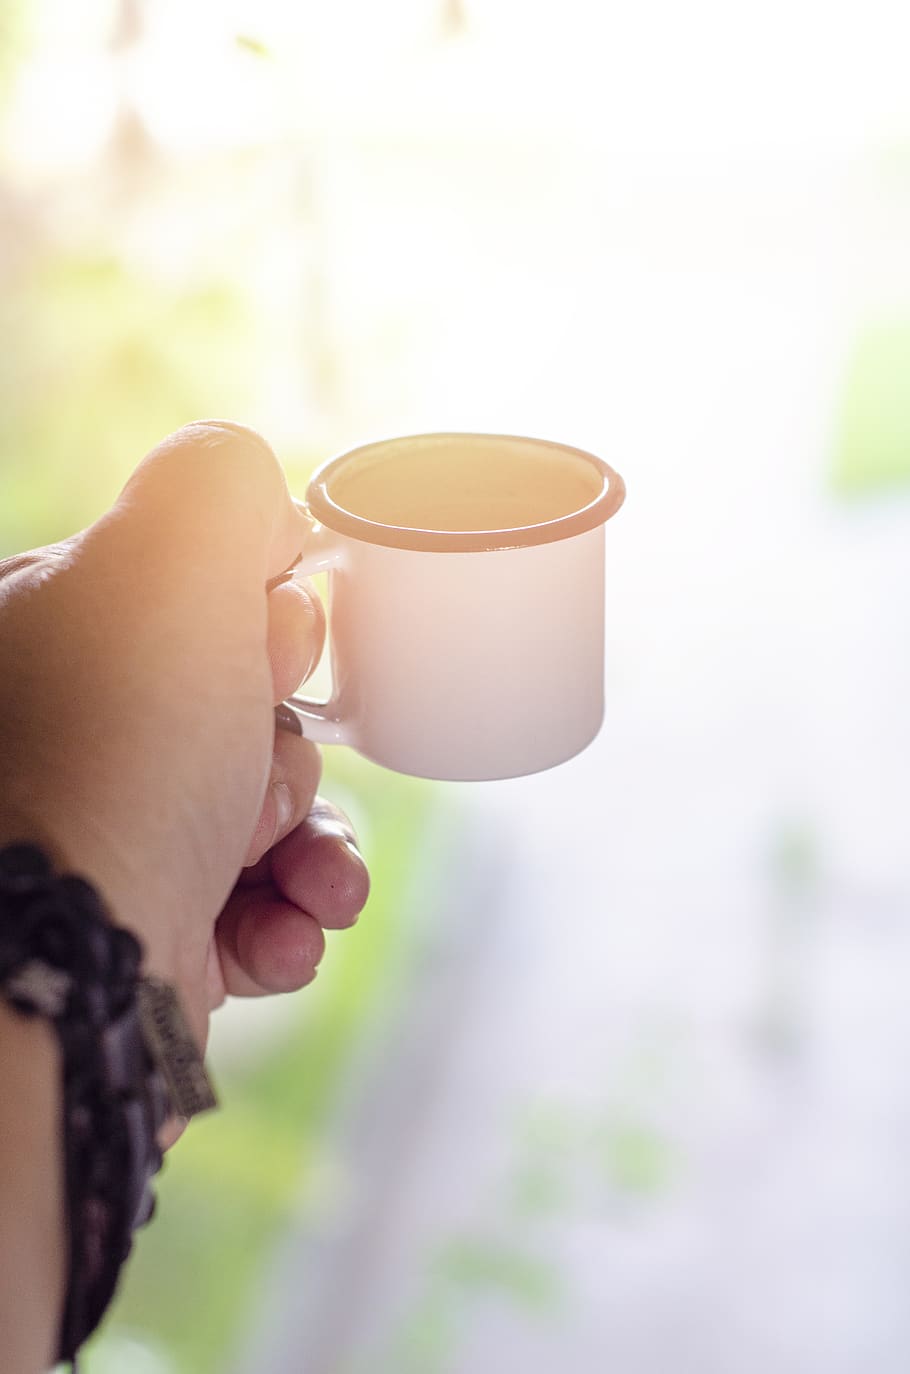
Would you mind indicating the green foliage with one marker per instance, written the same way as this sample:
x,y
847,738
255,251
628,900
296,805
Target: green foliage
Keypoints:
x,y
636,1159
472,1268
476,1263
565,1150
794,858
872,450
105,364
255,46
549,1138
13,40
540,1188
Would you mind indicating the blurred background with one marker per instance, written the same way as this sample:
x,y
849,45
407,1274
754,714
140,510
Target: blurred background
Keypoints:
x,y
613,1072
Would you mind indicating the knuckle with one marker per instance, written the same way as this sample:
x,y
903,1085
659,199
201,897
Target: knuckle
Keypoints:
x,y
48,556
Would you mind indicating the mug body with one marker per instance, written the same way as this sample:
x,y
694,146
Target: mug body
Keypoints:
x,y
466,602
469,665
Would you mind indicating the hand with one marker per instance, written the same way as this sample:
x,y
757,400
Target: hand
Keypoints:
x,y
141,660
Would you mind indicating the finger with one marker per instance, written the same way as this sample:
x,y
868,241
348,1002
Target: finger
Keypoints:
x,y
295,636
211,500
266,944
319,868
171,1132
293,780
37,562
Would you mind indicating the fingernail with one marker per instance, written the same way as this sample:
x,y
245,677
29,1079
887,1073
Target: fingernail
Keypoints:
x,y
351,846
284,808
288,720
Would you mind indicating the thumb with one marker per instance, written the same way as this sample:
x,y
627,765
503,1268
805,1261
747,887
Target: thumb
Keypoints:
x,y
211,502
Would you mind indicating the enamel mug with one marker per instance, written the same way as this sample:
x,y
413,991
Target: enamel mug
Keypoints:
x,y
466,602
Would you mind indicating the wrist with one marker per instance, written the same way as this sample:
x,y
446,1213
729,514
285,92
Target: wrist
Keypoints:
x,y
126,1060
72,847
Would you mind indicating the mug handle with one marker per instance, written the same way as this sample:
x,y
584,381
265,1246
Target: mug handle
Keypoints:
x,y
319,721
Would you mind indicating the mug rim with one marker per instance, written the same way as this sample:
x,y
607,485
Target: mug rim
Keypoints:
x,y
596,512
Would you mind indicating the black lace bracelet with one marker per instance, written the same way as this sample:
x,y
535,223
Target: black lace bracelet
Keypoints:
x,y
128,1062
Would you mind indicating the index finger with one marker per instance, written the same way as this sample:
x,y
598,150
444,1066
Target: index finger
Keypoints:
x,y
296,634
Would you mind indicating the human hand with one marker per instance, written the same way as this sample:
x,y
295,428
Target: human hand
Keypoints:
x,y
141,660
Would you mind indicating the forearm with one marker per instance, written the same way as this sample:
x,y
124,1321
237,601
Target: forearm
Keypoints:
x,y
76,1081
32,1261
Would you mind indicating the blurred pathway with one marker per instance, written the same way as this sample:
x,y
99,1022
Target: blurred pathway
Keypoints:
x,y
650,1109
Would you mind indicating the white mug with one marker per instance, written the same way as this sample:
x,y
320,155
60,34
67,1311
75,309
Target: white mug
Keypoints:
x,y
466,602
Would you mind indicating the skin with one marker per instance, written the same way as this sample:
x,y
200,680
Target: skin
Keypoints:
x,y
140,662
